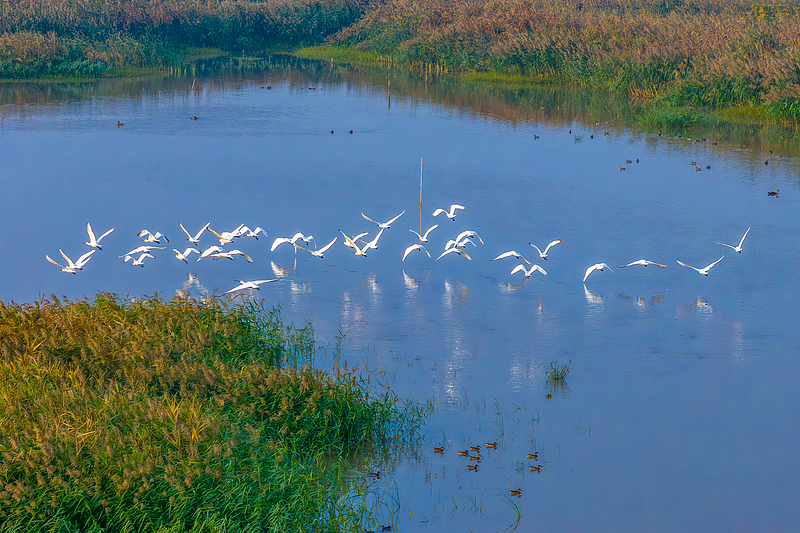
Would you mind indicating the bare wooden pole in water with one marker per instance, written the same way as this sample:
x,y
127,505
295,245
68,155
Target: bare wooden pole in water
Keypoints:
x,y
420,196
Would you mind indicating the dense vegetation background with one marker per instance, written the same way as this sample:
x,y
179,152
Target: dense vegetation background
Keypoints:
x,y
698,53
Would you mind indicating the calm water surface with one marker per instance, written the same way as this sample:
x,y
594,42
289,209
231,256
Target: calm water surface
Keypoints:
x,y
681,408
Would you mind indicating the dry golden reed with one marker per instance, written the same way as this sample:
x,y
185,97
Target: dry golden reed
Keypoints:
x,y
739,50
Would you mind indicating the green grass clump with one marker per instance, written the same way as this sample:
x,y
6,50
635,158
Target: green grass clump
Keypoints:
x,y
557,373
677,118
340,54
156,416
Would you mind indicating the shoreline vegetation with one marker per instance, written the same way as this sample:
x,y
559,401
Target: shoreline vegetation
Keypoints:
x,y
687,60
154,416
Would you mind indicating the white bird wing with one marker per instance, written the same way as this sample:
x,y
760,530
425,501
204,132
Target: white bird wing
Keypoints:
x,y
687,266
728,245
82,260
389,222
447,251
92,239
598,266
56,264
374,242
450,244
470,234
373,221
551,244
456,251
537,249
210,250
425,237
70,264
520,268
199,233
743,236
421,238
453,209
103,236
277,242
712,264
143,249
239,252
540,269
439,212
188,235
143,233
414,247
349,242
325,248
237,288
642,262
511,253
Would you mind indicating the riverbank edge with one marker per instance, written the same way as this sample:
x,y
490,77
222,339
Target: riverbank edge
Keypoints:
x,y
656,114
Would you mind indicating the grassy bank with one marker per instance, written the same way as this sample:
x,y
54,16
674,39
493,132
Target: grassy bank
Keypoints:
x,y
679,57
175,416
94,37
690,54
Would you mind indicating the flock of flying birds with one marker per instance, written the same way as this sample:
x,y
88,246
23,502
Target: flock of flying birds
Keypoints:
x,y
360,247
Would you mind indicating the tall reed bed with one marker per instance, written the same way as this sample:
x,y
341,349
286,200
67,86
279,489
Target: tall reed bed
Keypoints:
x,y
149,415
693,52
90,37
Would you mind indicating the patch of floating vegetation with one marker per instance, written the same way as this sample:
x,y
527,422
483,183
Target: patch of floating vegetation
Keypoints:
x,y
151,415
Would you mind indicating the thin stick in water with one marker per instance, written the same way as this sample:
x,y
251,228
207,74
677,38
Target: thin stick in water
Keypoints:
x,y
420,196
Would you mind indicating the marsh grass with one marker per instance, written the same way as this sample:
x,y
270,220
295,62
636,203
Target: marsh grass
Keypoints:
x,y
150,415
705,53
556,373
94,37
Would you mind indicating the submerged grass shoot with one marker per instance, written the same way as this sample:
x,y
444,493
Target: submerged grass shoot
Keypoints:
x,y
148,415
557,373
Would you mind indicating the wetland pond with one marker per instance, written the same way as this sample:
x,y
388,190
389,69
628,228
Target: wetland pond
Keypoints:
x,y
680,411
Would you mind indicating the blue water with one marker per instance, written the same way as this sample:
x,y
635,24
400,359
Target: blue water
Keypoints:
x,y
680,410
